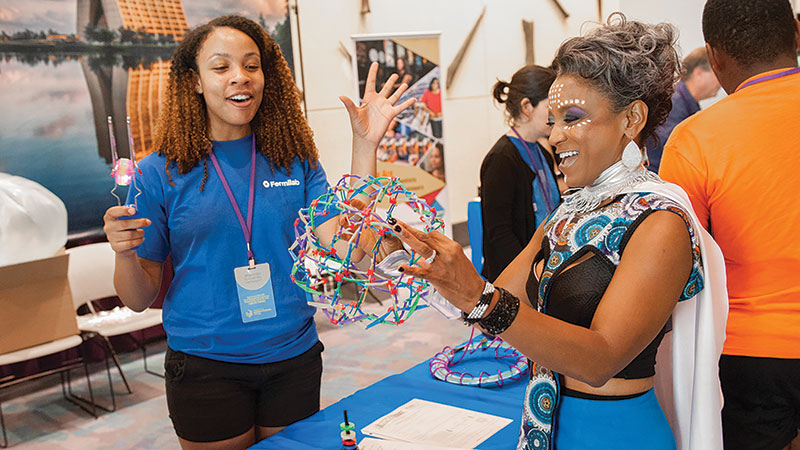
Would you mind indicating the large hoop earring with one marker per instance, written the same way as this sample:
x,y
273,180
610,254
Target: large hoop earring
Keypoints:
x,y
632,155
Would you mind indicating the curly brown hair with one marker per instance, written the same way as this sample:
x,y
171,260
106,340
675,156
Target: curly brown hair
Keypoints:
x,y
281,131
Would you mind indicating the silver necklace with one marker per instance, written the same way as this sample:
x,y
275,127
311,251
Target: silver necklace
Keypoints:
x,y
609,184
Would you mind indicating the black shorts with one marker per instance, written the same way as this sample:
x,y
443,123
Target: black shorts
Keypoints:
x,y
213,400
762,402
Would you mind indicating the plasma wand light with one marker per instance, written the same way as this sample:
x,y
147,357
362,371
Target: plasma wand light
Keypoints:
x,y
125,169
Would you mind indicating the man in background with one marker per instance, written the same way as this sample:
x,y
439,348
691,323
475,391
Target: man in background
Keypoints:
x,y
738,160
697,83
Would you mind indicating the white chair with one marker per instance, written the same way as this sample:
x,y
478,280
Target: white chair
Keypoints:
x,y
46,349
91,277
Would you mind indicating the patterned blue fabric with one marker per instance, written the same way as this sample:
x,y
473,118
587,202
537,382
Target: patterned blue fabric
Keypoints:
x,y
604,229
540,210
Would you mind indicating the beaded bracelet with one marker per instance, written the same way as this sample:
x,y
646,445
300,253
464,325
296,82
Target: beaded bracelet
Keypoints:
x,y
503,314
480,308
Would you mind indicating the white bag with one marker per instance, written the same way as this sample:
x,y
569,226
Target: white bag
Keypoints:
x,y
33,221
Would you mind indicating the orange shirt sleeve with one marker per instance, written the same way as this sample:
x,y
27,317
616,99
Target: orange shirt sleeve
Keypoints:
x,y
682,164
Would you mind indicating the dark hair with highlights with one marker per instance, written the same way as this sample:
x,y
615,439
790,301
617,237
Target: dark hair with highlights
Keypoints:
x,y
281,131
627,61
750,31
531,82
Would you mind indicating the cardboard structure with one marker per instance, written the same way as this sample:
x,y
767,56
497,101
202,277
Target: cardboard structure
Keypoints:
x,y
35,303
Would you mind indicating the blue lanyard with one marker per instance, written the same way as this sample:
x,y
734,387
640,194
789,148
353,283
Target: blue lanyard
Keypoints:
x,y
538,167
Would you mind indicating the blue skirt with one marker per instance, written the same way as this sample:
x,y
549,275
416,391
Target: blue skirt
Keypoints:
x,y
634,423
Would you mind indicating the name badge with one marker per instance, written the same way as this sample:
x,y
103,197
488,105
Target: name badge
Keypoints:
x,y
254,285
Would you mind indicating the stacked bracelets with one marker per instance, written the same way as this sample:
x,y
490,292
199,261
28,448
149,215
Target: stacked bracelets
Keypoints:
x,y
483,304
500,318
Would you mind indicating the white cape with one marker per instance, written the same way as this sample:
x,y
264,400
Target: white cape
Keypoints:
x,y
687,381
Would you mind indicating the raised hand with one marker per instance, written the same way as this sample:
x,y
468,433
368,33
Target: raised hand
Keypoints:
x,y
370,120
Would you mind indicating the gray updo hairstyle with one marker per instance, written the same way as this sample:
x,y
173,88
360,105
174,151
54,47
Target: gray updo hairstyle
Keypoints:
x,y
627,61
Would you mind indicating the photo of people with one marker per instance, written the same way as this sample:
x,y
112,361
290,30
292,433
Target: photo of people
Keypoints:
x,y
412,149
415,136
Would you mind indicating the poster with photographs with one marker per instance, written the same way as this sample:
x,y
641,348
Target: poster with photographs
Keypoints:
x,y
413,148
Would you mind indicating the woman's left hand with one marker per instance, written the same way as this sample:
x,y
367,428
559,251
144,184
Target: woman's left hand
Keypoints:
x,y
370,120
369,237
449,270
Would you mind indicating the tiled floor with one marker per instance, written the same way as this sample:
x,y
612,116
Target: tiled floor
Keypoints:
x,y
37,417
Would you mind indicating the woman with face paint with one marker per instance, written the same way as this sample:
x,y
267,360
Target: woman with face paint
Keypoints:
x,y
620,267
234,162
519,186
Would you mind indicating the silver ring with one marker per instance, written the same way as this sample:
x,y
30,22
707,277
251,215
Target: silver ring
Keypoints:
x,y
430,259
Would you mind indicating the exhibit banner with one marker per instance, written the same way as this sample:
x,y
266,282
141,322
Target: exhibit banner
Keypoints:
x,y
413,148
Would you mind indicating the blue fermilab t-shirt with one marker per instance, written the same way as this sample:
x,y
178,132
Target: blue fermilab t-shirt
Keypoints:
x,y
201,231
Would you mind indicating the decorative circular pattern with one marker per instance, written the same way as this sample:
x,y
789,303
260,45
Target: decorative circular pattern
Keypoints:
x,y
694,285
615,234
319,270
590,229
542,398
543,283
537,439
440,364
555,260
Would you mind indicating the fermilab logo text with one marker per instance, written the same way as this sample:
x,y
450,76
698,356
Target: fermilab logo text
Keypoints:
x,y
287,183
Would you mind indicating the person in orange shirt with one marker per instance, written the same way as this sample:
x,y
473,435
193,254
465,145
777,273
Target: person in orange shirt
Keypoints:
x,y
738,162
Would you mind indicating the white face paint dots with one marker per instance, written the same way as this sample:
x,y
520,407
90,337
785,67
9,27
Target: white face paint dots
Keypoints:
x,y
579,124
555,94
556,101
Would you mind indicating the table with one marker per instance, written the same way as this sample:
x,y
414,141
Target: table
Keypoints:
x,y
321,431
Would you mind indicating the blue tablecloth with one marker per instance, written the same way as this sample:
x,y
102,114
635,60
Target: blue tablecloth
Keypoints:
x,y
321,431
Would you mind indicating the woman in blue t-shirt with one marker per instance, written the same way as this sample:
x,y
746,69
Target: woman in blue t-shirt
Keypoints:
x,y
234,162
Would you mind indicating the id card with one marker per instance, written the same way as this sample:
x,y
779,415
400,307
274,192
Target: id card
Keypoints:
x,y
256,300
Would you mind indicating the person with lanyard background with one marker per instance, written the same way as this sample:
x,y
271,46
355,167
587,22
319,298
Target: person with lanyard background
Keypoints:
x,y
698,83
738,162
518,180
244,357
618,262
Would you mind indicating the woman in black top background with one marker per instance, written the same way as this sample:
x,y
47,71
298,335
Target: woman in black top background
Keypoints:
x,y
515,198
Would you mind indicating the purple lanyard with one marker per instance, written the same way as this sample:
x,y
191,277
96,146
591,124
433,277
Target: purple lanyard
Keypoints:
x,y
246,228
780,74
540,171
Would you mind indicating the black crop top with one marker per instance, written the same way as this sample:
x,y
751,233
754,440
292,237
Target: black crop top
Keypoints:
x,y
597,239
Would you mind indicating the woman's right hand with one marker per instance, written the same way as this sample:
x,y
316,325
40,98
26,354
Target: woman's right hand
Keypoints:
x,y
370,121
444,264
123,234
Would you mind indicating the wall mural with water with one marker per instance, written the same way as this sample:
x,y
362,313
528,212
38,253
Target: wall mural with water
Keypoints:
x,y
66,65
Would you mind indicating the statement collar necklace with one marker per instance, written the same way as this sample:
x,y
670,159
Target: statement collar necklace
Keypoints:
x,y
608,185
